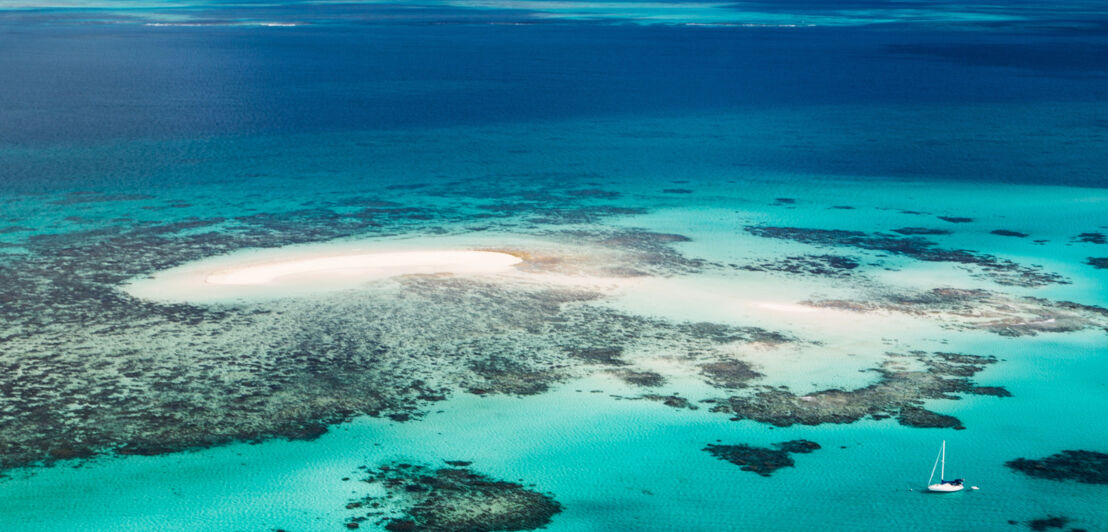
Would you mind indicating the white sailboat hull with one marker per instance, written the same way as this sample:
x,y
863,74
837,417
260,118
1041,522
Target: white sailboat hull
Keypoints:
x,y
945,488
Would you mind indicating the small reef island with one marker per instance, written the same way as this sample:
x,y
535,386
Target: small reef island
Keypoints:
x,y
456,266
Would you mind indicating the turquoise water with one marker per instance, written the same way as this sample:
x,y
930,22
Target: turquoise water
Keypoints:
x,y
575,132
636,464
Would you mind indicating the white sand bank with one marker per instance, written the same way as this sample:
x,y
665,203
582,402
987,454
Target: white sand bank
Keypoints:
x,y
366,266
282,273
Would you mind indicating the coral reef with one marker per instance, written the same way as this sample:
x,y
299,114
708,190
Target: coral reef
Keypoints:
x,y
1100,263
822,265
452,499
909,231
1089,467
1045,523
981,309
906,381
1000,271
185,376
762,460
1091,238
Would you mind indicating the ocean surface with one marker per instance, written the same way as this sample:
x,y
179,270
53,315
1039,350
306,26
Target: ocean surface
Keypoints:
x,y
870,225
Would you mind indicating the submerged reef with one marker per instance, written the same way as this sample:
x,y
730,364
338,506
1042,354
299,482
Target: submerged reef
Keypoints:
x,y
921,231
728,373
291,368
645,379
451,499
1091,238
610,253
1100,263
1089,467
89,370
981,309
1046,523
1006,232
821,265
998,270
905,382
762,460
673,401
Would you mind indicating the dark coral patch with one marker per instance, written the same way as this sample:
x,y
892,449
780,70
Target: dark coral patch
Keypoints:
x,y
729,373
1091,238
985,310
798,446
594,193
1000,271
677,191
821,265
956,219
609,356
646,379
1089,467
762,460
1005,232
1100,263
94,197
672,401
921,231
900,392
912,416
454,499
1048,522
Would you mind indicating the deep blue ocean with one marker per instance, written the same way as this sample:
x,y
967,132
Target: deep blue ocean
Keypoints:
x,y
366,68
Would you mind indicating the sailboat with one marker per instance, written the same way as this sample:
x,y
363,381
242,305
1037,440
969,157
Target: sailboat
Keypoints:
x,y
944,486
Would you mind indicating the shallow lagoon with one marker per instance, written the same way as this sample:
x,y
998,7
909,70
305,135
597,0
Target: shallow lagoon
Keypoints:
x,y
617,462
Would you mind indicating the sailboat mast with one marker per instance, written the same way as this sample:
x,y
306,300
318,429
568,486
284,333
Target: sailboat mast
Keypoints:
x,y
934,467
942,471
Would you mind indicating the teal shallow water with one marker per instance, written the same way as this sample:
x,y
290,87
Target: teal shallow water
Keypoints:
x,y
612,463
623,464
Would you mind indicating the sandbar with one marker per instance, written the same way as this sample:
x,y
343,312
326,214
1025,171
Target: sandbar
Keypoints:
x,y
266,275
